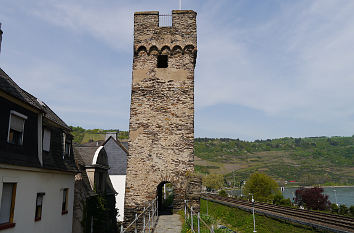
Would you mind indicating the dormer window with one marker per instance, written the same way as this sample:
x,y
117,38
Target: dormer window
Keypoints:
x,y
162,61
16,128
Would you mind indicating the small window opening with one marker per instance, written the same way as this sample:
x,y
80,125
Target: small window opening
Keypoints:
x,y
39,204
162,61
7,205
64,206
16,128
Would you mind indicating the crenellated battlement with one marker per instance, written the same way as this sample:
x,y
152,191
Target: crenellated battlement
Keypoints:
x,y
148,33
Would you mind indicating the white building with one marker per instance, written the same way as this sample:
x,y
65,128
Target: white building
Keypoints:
x,y
37,166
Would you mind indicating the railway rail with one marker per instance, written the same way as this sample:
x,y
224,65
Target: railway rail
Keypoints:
x,y
318,220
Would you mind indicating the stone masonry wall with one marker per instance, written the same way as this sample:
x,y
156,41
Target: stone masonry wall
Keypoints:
x,y
161,130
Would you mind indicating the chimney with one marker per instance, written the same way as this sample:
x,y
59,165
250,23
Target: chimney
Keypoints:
x,y
0,37
114,135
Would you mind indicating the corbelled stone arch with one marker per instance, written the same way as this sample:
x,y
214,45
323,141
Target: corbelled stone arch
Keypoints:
x,y
165,50
153,50
177,50
188,49
141,51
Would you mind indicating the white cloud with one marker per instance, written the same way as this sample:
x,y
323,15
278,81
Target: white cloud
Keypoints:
x,y
297,64
112,24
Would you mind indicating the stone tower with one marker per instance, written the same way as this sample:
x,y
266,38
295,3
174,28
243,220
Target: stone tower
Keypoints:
x,y
161,128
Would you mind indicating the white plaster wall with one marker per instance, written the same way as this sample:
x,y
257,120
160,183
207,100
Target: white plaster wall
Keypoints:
x,y
118,182
29,183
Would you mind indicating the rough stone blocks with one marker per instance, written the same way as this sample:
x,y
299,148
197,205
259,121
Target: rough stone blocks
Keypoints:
x,y
161,124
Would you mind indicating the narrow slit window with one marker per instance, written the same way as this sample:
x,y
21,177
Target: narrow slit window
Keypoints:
x,y
64,206
39,204
162,61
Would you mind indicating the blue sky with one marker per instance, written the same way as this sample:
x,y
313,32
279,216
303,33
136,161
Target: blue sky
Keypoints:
x,y
265,69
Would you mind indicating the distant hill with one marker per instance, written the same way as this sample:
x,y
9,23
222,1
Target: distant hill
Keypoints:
x,y
82,135
308,161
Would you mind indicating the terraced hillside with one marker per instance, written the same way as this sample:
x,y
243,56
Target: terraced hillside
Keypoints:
x,y
308,161
82,135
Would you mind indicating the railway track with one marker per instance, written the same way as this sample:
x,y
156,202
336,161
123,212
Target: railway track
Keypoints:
x,y
318,220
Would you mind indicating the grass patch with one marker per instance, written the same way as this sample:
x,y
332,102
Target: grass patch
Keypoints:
x,y
242,221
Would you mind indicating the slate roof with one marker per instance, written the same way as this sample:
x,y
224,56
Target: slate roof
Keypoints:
x,y
117,153
48,113
117,156
84,154
10,87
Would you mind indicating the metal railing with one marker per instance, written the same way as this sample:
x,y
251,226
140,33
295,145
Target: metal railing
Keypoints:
x,y
149,217
189,213
165,20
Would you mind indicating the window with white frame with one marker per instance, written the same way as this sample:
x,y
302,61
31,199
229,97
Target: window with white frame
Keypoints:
x,y
7,205
16,128
46,139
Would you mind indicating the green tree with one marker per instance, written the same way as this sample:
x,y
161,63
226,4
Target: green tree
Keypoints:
x,y
262,186
213,181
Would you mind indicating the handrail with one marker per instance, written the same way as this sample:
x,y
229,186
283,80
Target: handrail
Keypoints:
x,y
211,229
153,207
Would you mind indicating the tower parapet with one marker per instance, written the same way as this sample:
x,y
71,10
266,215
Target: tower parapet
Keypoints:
x,y
148,34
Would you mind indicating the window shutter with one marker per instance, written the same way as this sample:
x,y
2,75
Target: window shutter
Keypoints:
x,y
17,123
6,203
46,140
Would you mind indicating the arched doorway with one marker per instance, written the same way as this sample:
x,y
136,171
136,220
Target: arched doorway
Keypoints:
x,y
165,196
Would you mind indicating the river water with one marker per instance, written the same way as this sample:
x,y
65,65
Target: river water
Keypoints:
x,y
344,195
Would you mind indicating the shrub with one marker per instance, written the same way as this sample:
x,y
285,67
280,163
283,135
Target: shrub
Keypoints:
x,y
277,199
286,202
351,210
312,198
334,208
343,210
223,193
